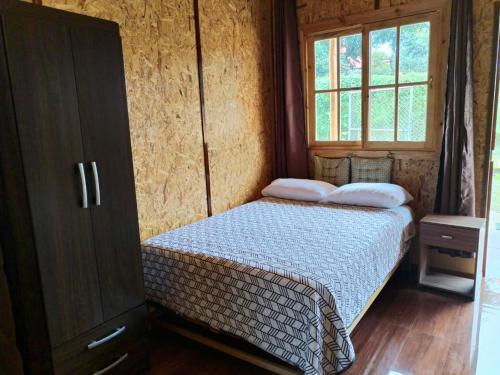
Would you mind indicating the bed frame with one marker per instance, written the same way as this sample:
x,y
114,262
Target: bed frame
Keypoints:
x,y
236,347
375,294
222,342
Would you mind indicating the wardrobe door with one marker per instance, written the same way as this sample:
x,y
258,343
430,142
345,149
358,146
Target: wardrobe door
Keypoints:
x,y
104,120
44,94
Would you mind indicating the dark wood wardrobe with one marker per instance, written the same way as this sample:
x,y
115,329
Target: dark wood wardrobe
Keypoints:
x,y
69,229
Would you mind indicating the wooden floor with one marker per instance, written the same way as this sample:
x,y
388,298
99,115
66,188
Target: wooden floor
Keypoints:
x,y
406,331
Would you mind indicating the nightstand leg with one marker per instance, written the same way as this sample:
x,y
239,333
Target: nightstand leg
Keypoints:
x,y
478,269
423,262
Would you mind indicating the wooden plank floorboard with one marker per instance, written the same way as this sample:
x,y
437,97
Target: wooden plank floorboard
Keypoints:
x,y
172,354
406,331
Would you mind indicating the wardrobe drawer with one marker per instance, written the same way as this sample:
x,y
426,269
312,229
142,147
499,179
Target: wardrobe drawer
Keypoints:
x,y
129,358
119,341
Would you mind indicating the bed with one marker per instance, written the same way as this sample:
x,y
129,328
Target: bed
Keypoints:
x,y
289,277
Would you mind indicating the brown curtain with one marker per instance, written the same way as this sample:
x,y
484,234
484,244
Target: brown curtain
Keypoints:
x,y
291,158
455,192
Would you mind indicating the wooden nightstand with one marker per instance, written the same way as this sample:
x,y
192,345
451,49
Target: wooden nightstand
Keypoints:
x,y
456,233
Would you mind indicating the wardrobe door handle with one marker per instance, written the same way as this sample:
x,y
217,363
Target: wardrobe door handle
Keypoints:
x,y
95,344
112,366
96,182
85,202
446,237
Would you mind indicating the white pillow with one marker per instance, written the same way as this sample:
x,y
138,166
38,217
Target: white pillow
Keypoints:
x,y
298,189
381,195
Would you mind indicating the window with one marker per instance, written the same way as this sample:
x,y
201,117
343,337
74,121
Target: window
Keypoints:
x,y
373,85
338,82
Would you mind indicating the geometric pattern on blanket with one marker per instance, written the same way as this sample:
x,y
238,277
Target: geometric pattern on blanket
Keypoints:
x,y
287,276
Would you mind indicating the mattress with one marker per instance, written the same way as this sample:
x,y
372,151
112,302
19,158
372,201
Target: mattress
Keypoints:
x,y
409,225
287,276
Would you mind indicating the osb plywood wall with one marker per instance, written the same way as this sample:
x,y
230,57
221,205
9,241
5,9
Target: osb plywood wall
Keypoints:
x,y
237,69
315,10
484,14
164,109
420,176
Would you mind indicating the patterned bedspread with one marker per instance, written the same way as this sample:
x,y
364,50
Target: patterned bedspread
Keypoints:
x,y
289,277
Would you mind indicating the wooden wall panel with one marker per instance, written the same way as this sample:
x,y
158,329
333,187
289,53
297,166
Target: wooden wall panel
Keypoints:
x,y
237,69
315,10
483,14
419,177
164,111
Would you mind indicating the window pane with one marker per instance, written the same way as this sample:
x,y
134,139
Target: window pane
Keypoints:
x,y
383,56
412,113
414,52
324,55
350,61
381,114
350,115
326,117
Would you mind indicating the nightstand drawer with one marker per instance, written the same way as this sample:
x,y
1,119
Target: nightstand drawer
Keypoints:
x,y
449,237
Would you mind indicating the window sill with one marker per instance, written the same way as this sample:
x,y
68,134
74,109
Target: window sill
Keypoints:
x,y
332,151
